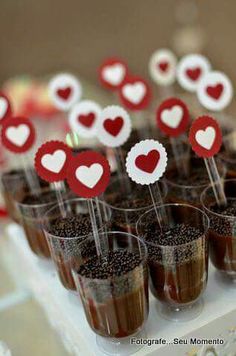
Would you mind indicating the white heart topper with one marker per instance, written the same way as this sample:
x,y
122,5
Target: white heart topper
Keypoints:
x,y
18,135
3,107
172,117
114,74
206,138
89,176
54,162
134,92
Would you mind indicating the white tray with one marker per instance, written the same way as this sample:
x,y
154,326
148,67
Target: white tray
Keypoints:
x,y
65,311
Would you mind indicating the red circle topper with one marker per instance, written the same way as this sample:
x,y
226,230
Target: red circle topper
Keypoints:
x,y
112,73
88,174
5,108
135,93
18,134
172,117
205,136
52,160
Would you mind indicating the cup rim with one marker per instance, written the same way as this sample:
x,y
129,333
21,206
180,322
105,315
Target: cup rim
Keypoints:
x,y
163,183
183,244
45,189
66,237
213,212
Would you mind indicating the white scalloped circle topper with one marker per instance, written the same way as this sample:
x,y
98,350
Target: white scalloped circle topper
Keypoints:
x,y
114,126
146,162
162,67
64,90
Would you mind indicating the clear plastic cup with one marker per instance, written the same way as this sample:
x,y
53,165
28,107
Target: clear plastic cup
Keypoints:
x,y
187,189
31,211
222,232
179,270
127,206
65,247
115,304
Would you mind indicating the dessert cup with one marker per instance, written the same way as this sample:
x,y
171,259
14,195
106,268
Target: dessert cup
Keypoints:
x,y
222,232
177,258
187,189
126,205
31,209
227,156
114,292
65,234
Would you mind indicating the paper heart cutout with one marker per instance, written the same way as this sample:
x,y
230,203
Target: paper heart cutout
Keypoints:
x,y
89,176
18,135
215,91
163,66
54,162
113,126
206,138
64,93
114,74
87,120
3,107
172,117
148,163
134,92
193,73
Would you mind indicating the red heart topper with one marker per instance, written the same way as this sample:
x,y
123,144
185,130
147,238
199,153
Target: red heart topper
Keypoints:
x,y
87,120
172,117
18,134
5,108
112,73
88,174
194,73
146,162
52,160
163,66
113,127
215,91
135,93
205,136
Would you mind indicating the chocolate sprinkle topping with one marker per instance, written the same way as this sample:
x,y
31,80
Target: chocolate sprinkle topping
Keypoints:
x,y
115,263
71,226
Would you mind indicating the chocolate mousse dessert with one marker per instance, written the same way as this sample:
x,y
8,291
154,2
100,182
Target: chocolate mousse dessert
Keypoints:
x,y
32,209
223,237
64,237
177,258
114,292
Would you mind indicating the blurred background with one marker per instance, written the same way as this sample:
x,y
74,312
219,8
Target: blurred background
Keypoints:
x,y
46,36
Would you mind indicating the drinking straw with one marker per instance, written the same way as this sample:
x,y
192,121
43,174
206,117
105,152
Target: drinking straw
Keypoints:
x,y
216,181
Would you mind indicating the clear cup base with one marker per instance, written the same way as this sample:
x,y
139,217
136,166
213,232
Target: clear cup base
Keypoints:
x,y
226,279
122,346
180,314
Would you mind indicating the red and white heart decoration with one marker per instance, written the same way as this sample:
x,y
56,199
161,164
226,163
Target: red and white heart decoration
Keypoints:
x,y
146,162
215,91
135,93
88,174
191,69
205,136
162,67
5,108
65,90
52,160
114,126
172,117
18,134
112,73
83,118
